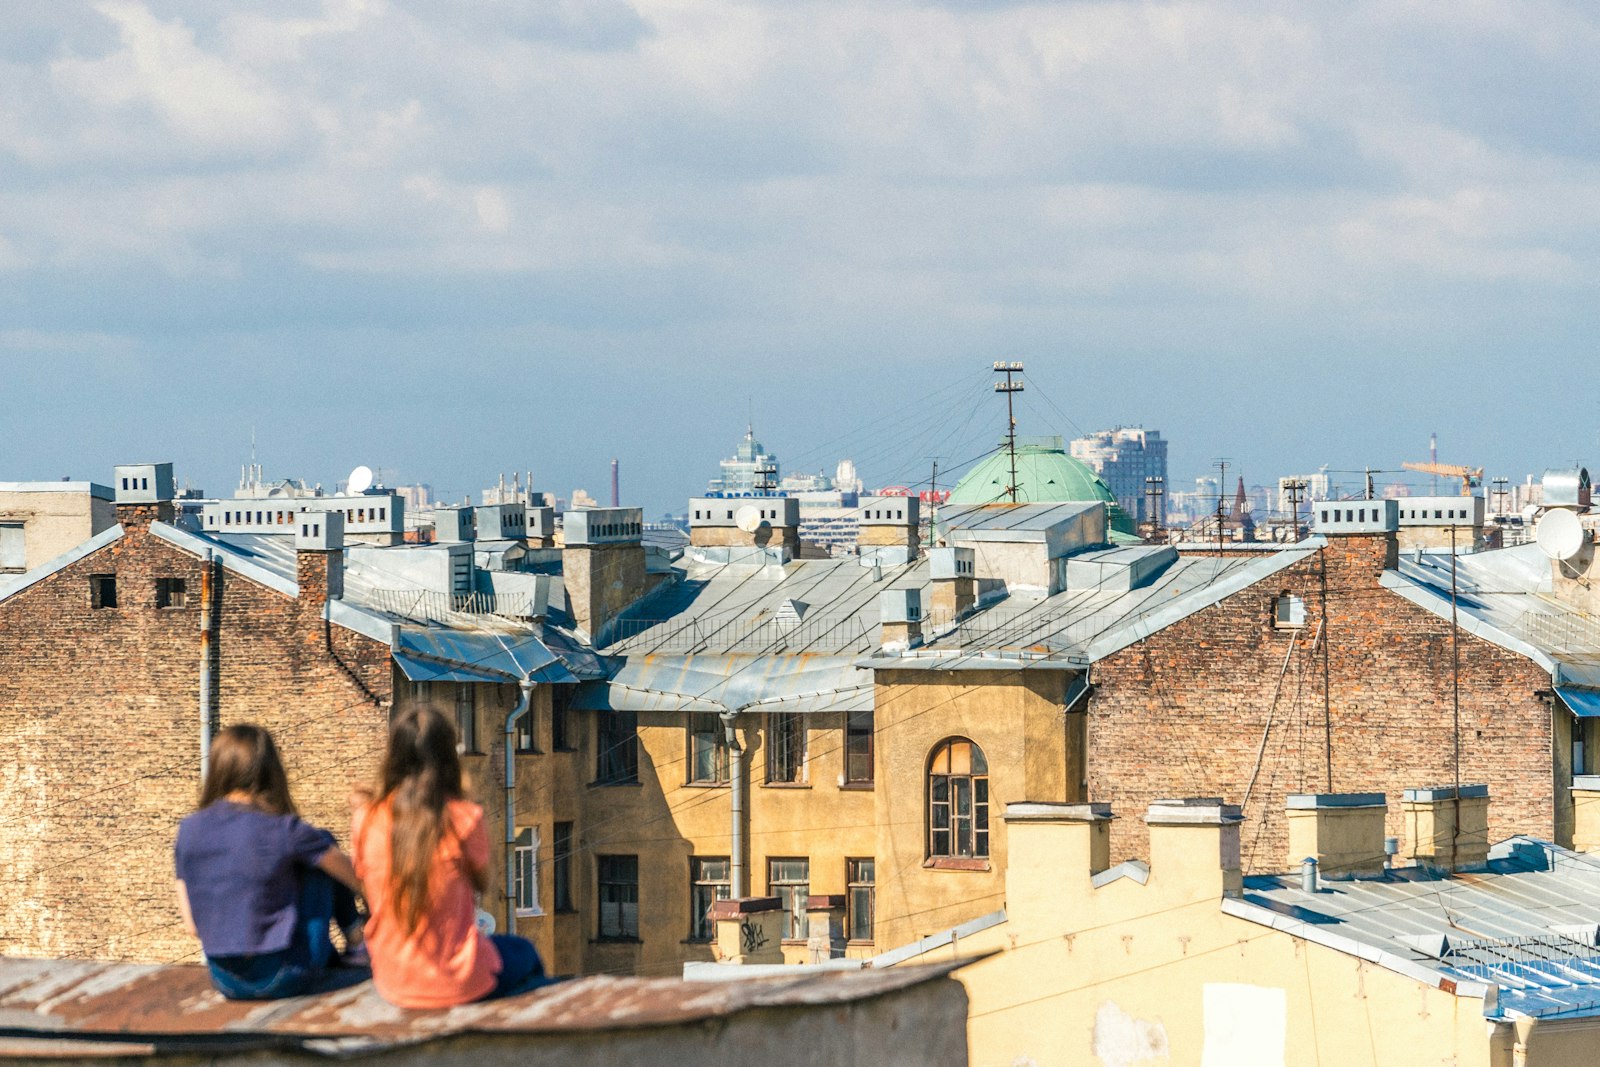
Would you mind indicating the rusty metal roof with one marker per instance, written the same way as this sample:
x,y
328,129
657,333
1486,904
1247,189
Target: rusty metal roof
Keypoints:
x,y
78,1009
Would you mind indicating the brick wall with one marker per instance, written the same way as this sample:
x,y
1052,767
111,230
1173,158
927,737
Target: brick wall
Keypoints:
x,y
1225,704
99,726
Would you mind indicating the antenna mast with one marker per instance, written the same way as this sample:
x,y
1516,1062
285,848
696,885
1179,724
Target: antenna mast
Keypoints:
x,y
1154,490
1008,387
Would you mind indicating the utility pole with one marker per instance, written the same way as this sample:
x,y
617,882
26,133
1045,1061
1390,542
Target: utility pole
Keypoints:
x,y
933,503
1294,488
1369,483
1008,387
1500,496
1154,490
1222,483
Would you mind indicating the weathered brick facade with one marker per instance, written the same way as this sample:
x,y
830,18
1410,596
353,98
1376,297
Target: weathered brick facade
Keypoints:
x,y
1224,703
100,727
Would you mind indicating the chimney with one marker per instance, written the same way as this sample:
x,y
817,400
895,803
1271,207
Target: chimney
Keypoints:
x,y
749,930
825,937
1435,837
602,566
541,526
731,527
888,528
900,618
1343,832
1052,848
953,585
455,524
319,556
1194,848
144,494
1362,537
616,484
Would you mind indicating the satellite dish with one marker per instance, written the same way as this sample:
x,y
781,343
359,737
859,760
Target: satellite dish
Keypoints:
x,y
360,480
749,519
1560,534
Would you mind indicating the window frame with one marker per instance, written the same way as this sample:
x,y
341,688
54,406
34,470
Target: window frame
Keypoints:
x,y
561,718
525,732
611,879
467,718
561,868
852,735
525,873
711,890
19,539
792,752
99,584
944,804
695,747
171,593
1295,616
793,893
616,759
855,884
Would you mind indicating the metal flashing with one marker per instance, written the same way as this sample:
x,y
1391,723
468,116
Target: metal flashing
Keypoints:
x,y
1137,870
896,956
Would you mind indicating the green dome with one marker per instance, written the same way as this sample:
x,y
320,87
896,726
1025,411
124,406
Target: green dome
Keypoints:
x,y
1045,475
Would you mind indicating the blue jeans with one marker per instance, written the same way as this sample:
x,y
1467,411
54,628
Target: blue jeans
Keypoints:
x,y
520,966
273,975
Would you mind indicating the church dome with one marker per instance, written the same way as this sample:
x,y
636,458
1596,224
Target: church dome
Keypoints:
x,y
1045,475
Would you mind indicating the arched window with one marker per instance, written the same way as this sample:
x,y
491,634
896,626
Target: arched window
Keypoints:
x,y
958,801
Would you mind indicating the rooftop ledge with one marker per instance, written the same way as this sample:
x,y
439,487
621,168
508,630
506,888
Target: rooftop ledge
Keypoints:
x,y
74,1009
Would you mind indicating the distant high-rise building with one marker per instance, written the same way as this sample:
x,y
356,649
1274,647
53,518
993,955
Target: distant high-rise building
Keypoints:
x,y
1124,457
750,468
418,497
1311,487
582,499
845,478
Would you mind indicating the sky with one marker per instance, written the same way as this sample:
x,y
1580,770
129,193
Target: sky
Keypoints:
x,y
448,240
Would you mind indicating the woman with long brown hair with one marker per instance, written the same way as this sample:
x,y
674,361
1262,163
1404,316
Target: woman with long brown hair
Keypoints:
x,y
256,884
421,850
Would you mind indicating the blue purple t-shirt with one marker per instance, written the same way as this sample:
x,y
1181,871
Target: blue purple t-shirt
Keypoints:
x,y
241,867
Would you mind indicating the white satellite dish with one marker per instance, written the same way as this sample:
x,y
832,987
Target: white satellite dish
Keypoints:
x,y
749,519
360,480
1560,534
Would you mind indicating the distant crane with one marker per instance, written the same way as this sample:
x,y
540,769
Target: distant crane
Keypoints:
x,y
1470,476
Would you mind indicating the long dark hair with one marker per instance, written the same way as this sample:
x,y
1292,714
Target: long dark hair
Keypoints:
x,y
421,774
244,760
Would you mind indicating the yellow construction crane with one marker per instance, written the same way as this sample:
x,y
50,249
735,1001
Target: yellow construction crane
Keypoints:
x,y
1470,476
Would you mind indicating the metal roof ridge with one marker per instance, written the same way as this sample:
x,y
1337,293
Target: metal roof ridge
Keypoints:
x,y
1432,600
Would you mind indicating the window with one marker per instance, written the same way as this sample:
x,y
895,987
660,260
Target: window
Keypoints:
x,y
617,735
1288,611
708,749
860,882
169,592
466,718
525,739
790,881
525,872
619,897
561,718
958,801
708,883
102,591
858,747
13,557
561,867
786,747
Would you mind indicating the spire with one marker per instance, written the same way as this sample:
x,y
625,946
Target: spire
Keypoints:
x,y
1241,502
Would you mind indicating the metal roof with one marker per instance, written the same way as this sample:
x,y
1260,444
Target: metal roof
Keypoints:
x,y
732,683
50,1007
1523,931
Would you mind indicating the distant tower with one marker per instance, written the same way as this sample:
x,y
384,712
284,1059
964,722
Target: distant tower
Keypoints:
x,y
616,496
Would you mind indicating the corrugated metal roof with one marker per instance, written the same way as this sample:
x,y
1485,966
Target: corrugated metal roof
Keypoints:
x,y
57,1003
1527,924
730,683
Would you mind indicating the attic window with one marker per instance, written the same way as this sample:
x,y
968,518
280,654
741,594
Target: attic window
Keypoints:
x,y
102,591
170,592
1288,611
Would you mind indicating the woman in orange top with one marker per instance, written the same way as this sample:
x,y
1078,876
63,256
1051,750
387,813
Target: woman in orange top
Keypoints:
x,y
421,851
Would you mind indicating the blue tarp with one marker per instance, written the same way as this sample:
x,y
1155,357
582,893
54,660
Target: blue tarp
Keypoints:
x,y
1585,703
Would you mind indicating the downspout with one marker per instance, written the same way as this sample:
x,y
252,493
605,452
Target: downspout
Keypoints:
x,y
207,647
736,859
523,702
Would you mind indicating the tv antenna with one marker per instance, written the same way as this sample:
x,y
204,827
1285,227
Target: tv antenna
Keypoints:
x,y
1009,387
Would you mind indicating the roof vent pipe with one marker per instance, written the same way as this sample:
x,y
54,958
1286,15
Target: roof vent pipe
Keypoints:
x,y
1391,849
1308,874
877,570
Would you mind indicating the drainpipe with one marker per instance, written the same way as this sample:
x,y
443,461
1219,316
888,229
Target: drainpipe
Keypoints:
x,y
736,861
207,646
516,713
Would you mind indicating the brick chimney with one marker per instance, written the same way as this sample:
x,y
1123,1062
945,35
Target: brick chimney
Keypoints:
x,y
144,494
1362,538
602,566
541,526
1343,832
319,557
900,618
953,585
1194,846
749,930
1432,823
888,528
774,521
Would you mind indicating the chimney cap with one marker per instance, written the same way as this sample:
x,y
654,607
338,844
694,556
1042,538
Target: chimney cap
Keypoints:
x,y
319,531
1311,801
1437,793
1193,811
143,483
1055,811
